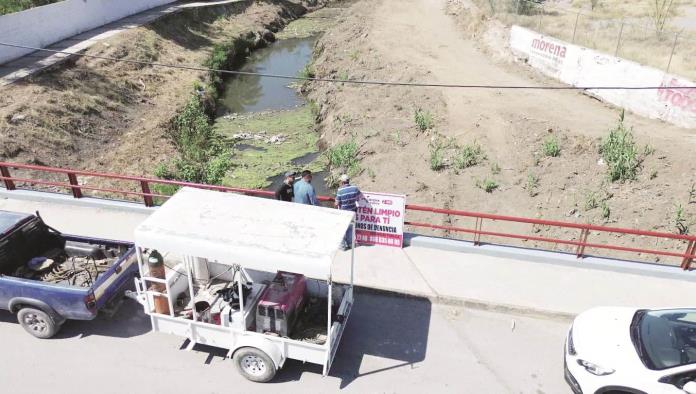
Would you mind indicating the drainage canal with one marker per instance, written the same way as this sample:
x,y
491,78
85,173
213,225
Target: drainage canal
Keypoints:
x,y
268,120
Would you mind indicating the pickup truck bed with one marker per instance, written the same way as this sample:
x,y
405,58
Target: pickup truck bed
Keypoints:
x,y
47,277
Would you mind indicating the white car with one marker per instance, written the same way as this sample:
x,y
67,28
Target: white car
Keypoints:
x,y
630,350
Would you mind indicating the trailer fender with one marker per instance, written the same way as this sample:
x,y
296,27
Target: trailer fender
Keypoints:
x,y
273,350
17,303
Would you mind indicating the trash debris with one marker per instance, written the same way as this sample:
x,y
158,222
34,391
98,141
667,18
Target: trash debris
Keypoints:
x,y
16,118
261,136
242,136
276,139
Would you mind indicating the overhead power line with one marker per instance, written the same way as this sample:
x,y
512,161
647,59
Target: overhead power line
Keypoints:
x,y
351,81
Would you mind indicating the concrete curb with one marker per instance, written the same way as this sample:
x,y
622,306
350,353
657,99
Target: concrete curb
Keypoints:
x,y
64,199
550,257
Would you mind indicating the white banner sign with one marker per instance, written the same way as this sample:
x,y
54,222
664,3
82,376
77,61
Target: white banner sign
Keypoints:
x,y
380,219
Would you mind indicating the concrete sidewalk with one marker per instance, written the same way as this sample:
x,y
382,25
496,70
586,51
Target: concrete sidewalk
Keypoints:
x,y
496,278
27,65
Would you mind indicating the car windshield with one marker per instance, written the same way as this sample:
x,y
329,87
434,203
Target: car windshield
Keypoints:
x,y
665,338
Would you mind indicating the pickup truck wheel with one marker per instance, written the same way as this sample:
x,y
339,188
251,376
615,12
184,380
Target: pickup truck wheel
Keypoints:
x,y
37,323
254,364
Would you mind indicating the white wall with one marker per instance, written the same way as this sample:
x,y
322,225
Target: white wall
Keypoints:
x,y
579,66
45,25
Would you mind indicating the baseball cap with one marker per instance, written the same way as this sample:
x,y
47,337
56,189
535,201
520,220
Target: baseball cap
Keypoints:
x,y
344,178
289,173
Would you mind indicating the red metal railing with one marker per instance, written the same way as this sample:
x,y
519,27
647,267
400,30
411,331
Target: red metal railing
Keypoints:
x,y
147,196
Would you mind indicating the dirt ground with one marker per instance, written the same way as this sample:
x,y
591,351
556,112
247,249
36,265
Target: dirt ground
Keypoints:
x,y
97,115
448,42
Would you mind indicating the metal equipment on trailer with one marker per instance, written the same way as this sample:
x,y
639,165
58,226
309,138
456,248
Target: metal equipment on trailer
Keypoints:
x,y
241,273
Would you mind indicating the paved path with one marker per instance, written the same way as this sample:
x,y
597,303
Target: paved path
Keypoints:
x,y
36,61
521,283
390,345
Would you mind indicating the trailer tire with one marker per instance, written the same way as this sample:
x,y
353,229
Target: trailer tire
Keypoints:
x,y
254,364
37,323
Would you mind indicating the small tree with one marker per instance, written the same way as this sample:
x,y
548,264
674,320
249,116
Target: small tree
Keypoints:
x,y
661,12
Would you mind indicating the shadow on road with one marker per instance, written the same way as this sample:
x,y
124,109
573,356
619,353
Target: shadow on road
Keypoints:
x,y
128,321
384,326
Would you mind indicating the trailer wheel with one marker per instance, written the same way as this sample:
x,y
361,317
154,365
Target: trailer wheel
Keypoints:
x,y
37,323
254,364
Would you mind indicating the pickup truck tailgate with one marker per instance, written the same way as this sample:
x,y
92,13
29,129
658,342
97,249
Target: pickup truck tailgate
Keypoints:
x,y
112,282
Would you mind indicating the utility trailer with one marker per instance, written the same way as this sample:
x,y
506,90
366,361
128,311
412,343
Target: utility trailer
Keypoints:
x,y
246,274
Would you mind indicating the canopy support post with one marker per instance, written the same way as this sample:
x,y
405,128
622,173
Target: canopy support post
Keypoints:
x,y
352,253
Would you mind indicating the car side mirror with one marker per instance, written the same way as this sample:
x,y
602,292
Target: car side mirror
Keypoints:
x,y
690,387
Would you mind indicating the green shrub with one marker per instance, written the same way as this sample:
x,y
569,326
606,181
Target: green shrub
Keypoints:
x,y
437,159
488,185
605,210
424,120
532,185
10,6
495,169
343,158
224,56
307,71
469,156
592,201
620,153
202,157
680,220
551,147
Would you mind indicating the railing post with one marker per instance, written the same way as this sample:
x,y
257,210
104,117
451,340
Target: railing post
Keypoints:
x,y
147,198
580,251
477,233
690,250
5,172
76,191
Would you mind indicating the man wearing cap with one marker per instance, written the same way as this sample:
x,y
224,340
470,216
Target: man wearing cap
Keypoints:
x,y
347,197
285,191
304,191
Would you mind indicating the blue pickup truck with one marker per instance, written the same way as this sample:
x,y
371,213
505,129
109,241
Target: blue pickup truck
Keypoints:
x,y
47,277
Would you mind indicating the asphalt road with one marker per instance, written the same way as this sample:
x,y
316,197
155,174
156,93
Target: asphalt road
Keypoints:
x,y
391,345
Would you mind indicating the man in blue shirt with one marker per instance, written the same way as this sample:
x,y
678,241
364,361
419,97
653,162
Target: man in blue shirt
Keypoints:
x,y
347,197
303,190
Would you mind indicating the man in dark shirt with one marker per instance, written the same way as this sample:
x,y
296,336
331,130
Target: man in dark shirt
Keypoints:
x,y
285,191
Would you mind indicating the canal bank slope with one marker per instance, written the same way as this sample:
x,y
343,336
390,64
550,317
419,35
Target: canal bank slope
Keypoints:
x,y
106,116
523,153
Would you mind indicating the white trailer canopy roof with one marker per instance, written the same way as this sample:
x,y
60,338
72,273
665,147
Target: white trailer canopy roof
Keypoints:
x,y
256,233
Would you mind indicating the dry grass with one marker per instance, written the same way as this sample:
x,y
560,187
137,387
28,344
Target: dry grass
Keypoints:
x,y
600,28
